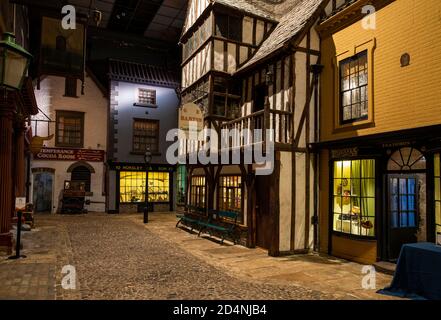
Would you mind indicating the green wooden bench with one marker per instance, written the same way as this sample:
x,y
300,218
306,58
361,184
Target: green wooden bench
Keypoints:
x,y
193,216
220,224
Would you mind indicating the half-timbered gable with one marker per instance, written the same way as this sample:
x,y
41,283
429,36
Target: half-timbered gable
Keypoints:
x,y
263,66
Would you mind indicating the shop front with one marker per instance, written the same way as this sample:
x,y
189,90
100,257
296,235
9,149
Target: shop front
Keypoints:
x,y
378,194
134,181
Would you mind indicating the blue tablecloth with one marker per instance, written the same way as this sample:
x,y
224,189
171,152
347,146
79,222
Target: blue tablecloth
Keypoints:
x,y
418,273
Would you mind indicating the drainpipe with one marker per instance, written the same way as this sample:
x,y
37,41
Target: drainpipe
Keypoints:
x,y
316,69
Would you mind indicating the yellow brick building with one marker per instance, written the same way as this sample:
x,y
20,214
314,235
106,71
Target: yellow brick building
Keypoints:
x,y
380,127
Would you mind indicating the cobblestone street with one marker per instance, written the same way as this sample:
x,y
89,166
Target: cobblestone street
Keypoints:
x,y
117,257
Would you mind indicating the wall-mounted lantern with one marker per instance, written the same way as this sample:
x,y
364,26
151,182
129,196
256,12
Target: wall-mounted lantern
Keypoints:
x,y
14,62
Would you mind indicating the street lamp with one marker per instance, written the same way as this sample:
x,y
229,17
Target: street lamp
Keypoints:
x,y
14,62
147,160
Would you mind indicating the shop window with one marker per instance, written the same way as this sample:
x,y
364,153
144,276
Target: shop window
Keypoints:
x,y
182,184
69,129
197,191
438,194
230,195
146,97
132,186
354,197
81,174
354,88
159,187
145,135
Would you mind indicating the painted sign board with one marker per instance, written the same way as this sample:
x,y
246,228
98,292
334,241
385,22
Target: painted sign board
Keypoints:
x,y
20,203
61,154
191,115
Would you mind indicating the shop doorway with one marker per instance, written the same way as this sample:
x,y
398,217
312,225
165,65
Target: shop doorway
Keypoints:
x,y
263,215
406,200
42,191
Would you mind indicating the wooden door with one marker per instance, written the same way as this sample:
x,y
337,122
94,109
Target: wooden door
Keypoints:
x,y
263,215
42,192
403,213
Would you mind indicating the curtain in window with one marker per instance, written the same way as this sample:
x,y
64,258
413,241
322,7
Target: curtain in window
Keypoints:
x,y
354,197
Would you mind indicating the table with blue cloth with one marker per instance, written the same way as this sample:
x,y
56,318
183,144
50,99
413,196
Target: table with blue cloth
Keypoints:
x,y
418,273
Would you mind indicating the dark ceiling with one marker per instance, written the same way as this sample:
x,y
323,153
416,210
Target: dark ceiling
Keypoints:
x,y
155,19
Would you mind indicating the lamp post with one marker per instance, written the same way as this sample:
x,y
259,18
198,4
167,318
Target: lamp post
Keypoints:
x,y
14,63
147,160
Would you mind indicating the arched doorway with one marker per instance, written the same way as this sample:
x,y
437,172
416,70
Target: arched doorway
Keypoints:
x,y
406,199
81,172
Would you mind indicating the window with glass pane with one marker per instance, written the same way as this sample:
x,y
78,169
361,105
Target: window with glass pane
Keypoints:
x,y
229,27
354,88
132,186
230,195
354,197
197,191
159,186
145,135
437,162
70,129
402,202
146,96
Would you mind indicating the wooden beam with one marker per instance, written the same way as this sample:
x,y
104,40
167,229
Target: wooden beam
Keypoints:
x,y
293,154
307,155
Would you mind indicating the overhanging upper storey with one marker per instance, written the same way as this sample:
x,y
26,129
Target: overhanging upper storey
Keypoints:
x,y
342,13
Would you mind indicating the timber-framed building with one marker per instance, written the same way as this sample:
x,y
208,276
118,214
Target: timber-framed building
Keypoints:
x,y
255,65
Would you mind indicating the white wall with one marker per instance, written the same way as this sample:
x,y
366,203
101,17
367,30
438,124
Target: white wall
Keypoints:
x,y
50,98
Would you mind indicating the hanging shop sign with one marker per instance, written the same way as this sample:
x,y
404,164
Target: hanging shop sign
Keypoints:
x,y
70,154
191,115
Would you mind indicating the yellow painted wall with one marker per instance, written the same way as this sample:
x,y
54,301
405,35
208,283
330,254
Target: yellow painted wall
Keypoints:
x,y
362,251
406,97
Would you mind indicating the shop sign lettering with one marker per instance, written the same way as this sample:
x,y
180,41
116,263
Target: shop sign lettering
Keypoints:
x,y
60,154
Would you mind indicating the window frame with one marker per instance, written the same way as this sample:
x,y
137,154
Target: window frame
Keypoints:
x,y
229,30
128,187
70,85
377,202
193,187
240,218
370,47
71,114
350,90
146,104
157,187
156,136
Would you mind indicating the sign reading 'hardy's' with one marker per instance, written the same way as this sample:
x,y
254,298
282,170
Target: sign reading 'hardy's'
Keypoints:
x,y
70,154
190,115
